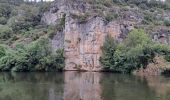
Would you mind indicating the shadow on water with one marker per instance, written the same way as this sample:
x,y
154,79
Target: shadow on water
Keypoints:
x,y
82,86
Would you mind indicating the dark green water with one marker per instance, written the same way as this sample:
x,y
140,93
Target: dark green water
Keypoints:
x,y
82,86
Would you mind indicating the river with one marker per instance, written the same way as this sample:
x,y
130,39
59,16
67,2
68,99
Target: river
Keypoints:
x,y
82,86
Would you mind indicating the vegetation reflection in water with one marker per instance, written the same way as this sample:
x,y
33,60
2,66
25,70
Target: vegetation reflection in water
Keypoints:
x,y
82,86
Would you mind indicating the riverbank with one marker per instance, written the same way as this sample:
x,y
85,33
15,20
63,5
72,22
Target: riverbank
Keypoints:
x,y
157,67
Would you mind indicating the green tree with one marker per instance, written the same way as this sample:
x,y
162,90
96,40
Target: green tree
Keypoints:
x,y
134,52
137,37
108,51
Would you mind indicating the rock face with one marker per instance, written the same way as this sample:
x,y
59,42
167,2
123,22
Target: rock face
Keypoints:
x,y
85,30
161,35
83,43
58,41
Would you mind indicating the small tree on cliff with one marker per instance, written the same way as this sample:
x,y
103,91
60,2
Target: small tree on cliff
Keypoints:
x,y
108,50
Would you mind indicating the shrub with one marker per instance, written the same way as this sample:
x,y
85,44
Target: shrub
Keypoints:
x,y
23,24
5,10
40,58
44,7
110,17
149,18
3,20
81,18
2,51
51,33
166,22
5,32
25,16
35,34
7,59
135,52
37,56
18,24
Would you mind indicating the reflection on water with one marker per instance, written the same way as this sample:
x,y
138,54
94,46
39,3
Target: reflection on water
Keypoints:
x,y
82,86
161,85
124,87
25,86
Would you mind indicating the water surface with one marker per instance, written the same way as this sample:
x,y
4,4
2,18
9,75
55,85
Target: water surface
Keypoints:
x,y
82,86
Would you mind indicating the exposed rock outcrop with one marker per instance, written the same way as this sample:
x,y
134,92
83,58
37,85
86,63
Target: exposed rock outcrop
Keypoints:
x,y
81,41
86,28
58,41
161,35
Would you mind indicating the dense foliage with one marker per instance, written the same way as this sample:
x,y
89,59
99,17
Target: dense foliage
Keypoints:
x,y
24,42
36,56
144,4
135,52
22,16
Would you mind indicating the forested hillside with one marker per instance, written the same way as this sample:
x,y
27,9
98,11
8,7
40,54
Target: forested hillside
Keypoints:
x,y
25,45
92,35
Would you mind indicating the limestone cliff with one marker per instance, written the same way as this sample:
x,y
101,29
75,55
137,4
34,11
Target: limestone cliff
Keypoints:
x,y
86,26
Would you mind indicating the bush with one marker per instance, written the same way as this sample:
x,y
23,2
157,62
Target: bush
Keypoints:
x,y
2,51
30,13
149,18
167,23
37,56
18,24
7,59
35,34
23,24
81,18
5,32
3,20
136,51
40,58
110,17
24,17
5,10
51,33
44,7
